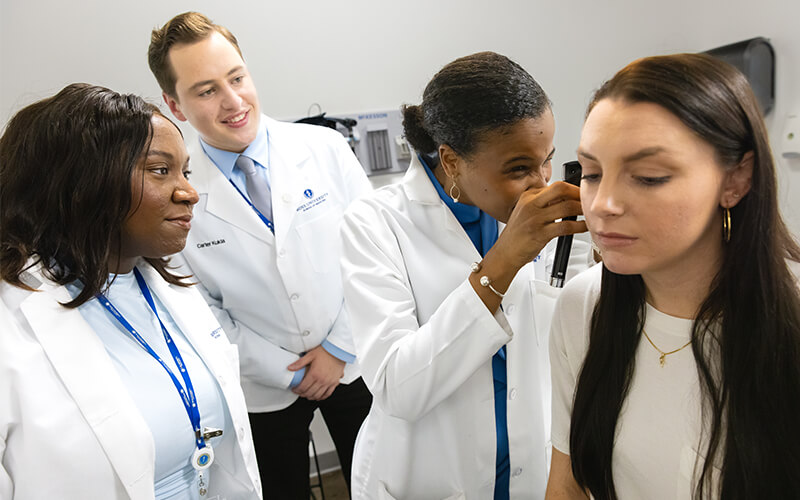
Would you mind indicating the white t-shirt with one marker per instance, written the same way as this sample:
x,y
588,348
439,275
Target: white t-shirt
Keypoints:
x,y
657,444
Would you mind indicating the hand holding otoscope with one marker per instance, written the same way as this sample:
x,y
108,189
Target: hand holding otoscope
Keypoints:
x,y
572,175
541,213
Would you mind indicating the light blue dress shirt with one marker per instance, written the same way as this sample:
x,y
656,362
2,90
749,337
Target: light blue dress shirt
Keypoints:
x,y
152,389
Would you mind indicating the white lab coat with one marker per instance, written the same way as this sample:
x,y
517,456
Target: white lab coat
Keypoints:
x,y
280,295
68,426
425,342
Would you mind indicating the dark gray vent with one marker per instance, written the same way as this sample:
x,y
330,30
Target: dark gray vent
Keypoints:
x,y
380,157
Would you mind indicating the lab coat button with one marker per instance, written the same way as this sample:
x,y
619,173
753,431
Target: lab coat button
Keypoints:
x,y
306,333
294,297
517,471
286,198
282,252
510,309
512,394
240,432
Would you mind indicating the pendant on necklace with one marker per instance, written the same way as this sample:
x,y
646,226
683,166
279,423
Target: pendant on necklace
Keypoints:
x,y
662,360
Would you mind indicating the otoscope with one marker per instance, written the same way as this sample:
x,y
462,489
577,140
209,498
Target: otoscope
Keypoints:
x,y
572,175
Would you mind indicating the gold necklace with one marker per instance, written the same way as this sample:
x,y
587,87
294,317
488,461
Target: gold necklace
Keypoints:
x,y
661,359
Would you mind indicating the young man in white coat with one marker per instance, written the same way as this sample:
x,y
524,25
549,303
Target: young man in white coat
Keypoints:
x,y
264,246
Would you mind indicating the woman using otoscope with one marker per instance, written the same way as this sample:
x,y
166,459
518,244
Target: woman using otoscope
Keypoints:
x,y
447,306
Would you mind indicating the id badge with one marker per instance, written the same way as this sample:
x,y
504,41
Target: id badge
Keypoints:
x,y
203,458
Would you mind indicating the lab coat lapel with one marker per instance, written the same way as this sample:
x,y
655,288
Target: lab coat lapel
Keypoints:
x,y
196,327
223,200
83,365
420,190
286,165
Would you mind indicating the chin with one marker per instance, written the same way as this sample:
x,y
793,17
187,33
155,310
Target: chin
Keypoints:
x,y
620,264
168,251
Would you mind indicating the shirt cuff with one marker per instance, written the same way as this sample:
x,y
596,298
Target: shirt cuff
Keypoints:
x,y
298,377
338,353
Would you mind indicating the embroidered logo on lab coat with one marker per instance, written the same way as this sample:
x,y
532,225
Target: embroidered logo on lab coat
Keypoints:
x,y
313,201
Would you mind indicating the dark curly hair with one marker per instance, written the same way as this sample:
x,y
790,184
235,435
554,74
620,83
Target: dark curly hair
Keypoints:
x,y
66,165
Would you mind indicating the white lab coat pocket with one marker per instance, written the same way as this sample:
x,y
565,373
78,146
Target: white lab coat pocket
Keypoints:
x,y
318,237
544,301
383,494
691,466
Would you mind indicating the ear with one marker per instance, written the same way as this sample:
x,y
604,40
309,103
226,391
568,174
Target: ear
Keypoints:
x,y
449,160
737,182
174,106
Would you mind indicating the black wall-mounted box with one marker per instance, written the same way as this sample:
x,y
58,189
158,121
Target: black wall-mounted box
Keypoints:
x,y
756,59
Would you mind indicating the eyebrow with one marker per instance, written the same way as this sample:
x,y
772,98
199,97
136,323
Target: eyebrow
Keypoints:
x,y
209,82
158,152
525,157
643,153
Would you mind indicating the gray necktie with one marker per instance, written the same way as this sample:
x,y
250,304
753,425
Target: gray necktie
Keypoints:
x,y
257,187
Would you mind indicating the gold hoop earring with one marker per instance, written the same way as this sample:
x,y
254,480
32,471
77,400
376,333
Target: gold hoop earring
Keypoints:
x,y
726,225
457,195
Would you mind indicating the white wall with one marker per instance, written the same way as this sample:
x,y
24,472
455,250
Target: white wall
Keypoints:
x,y
357,55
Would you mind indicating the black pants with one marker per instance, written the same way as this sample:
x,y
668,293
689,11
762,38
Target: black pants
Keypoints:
x,y
281,439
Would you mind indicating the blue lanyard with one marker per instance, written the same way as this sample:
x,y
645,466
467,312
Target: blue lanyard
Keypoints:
x,y
187,395
263,217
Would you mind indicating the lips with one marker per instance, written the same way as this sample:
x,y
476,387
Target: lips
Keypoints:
x,y
184,221
613,240
238,120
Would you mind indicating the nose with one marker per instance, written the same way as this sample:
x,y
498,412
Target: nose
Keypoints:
x,y
538,179
185,193
607,200
230,98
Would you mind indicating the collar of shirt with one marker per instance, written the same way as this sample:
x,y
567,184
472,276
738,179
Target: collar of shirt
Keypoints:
x,y
258,151
480,227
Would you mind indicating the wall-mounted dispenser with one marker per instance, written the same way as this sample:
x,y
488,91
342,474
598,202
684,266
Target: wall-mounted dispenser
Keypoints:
x,y
756,59
789,145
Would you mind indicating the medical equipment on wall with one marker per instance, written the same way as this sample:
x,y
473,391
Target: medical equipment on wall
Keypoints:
x,y
375,137
789,145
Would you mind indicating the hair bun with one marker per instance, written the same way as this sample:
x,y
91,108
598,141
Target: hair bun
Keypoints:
x,y
414,129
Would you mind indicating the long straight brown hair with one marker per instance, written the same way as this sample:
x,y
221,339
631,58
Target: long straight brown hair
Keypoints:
x,y
66,171
749,362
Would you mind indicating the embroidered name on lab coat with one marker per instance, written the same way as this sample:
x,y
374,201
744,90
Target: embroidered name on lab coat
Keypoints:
x,y
305,207
211,243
